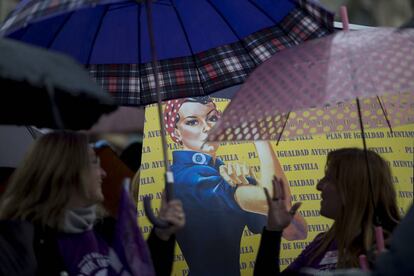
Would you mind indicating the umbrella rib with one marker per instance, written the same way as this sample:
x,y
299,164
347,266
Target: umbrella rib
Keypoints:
x,y
139,7
262,11
224,19
384,111
182,27
31,132
122,6
188,43
234,32
55,35
283,129
95,36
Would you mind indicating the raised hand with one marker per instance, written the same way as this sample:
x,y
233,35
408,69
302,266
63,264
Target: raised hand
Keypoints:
x,y
172,212
279,217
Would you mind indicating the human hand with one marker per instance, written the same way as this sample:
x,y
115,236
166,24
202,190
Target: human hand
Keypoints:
x,y
173,213
279,217
236,174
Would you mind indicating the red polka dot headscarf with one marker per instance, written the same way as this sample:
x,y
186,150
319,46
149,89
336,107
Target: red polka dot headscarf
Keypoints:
x,y
171,112
170,116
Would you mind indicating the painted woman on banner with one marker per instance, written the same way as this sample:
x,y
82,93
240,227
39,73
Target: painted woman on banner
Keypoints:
x,y
219,199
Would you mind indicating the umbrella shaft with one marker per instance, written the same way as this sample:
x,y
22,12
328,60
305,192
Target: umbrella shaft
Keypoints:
x,y
377,221
157,84
55,110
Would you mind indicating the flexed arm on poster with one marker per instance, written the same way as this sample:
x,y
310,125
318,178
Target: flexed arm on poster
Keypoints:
x,y
251,197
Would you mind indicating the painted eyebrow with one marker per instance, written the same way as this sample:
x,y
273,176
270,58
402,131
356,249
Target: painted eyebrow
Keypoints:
x,y
212,111
195,117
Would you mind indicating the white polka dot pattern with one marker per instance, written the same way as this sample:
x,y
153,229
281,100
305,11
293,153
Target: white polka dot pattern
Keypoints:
x,y
171,109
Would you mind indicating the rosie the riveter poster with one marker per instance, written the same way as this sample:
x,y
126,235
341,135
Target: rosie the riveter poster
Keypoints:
x,y
215,180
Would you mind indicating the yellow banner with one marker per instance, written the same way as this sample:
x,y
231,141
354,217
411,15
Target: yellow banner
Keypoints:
x,y
302,160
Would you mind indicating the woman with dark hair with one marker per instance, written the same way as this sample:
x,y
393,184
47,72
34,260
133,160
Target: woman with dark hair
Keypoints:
x,y
348,199
219,200
49,222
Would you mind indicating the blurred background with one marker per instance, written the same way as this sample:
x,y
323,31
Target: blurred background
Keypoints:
x,y
391,13
6,6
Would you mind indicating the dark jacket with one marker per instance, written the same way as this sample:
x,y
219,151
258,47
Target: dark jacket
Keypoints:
x,y
267,260
26,249
398,260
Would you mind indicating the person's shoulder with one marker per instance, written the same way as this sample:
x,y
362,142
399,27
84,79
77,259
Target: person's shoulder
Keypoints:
x,y
15,226
313,244
105,227
195,173
16,248
188,158
193,169
16,233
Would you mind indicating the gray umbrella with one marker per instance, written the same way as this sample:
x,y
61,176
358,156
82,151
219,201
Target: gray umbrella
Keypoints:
x,y
46,89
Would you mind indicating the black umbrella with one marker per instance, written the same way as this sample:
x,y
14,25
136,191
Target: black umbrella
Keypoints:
x,y
408,24
46,89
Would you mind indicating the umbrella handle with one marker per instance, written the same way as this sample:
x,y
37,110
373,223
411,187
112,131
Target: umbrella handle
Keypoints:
x,y
379,237
168,194
151,216
363,263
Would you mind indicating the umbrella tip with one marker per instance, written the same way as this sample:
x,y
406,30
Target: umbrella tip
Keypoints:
x,y
344,17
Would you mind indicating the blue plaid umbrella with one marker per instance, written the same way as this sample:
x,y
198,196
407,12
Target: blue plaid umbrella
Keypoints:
x,y
203,45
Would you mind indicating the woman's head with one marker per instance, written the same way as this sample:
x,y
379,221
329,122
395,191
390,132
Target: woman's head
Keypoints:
x,y
61,171
189,120
347,182
348,197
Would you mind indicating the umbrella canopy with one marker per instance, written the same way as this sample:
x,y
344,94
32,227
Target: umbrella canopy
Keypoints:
x,y
312,88
203,45
408,24
47,89
14,144
123,120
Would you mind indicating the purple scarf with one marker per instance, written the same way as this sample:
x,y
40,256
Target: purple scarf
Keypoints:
x,y
129,243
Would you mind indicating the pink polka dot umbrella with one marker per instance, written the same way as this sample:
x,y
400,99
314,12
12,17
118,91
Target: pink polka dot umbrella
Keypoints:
x,y
317,86
347,81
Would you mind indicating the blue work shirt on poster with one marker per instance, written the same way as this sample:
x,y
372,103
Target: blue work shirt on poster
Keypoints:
x,y
210,240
